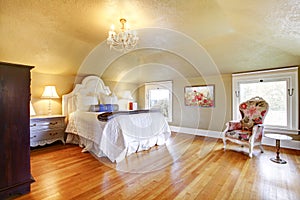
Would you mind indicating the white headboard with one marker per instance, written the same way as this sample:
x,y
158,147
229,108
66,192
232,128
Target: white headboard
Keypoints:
x,y
90,85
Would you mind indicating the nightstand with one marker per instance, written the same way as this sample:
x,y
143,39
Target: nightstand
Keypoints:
x,y
46,129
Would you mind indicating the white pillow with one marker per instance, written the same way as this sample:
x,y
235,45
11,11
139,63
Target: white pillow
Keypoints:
x,y
84,102
106,99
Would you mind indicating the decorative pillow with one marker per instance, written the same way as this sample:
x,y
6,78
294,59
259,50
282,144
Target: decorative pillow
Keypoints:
x,y
104,108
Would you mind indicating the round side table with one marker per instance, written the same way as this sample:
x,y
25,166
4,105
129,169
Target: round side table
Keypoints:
x,y
278,137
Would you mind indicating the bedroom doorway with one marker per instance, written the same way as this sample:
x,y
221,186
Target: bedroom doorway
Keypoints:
x,y
159,94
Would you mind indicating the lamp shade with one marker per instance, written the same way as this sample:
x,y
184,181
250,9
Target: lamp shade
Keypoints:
x,y
50,92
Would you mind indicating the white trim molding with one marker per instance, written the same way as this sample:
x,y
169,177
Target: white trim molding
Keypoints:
x,y
199,132
288,75
291,144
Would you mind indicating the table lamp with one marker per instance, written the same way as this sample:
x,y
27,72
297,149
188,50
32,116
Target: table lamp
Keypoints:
x,y
50,93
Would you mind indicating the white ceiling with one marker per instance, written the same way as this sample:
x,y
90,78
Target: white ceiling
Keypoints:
x,y
239,35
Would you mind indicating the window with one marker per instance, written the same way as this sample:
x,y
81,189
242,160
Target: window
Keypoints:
x,y
159,94
278,87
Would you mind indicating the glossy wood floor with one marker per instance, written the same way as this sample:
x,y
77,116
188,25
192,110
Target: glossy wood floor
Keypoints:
x,y
186,168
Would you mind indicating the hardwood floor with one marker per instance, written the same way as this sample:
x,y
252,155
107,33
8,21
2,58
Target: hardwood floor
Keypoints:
x,y
187,168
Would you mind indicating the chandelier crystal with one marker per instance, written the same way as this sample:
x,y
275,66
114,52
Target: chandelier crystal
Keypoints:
x,y
125,40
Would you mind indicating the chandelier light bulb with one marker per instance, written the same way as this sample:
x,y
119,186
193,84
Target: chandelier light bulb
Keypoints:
x,y
127,26
112,27
124,40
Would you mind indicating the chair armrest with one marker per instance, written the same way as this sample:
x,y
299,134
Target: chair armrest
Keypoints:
x,y
257,131
233,125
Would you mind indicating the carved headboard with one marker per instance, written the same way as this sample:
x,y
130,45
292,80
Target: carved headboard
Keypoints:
x,y
90,85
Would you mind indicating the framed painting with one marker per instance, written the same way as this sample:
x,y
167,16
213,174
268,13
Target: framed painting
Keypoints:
x,y
200,95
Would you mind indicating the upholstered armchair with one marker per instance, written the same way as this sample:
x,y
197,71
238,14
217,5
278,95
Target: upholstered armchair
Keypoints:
x,y
249,130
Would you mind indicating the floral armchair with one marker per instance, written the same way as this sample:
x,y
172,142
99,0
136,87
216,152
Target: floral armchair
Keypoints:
x,y
249,130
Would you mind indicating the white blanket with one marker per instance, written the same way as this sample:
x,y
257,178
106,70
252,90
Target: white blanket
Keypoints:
x,y
120,136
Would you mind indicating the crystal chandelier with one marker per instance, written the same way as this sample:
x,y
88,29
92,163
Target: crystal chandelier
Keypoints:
x,y
125,40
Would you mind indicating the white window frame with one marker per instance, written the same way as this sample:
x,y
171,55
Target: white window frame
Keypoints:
x,y
160,85
287,74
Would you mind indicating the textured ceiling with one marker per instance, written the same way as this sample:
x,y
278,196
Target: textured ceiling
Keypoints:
x,y
56,35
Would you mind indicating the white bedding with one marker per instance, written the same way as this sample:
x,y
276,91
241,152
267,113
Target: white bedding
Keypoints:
x,y
120,136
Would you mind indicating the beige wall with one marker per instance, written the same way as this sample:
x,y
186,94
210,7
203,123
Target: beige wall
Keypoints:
x,y
117,88
141,99
183,116
210,118
63,83
193,116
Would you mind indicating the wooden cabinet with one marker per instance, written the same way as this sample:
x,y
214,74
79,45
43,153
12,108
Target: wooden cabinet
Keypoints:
x,y
46,129
15,177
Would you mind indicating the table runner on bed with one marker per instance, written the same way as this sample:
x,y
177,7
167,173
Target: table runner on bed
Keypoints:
x,y
104,117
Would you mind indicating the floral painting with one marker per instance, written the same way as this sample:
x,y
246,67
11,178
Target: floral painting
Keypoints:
x,y
201,95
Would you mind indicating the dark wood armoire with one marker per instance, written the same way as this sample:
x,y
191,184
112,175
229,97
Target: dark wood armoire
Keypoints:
x,y
15,176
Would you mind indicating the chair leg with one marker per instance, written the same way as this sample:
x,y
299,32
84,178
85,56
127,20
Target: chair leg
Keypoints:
x,y
261,148
224,142
250,150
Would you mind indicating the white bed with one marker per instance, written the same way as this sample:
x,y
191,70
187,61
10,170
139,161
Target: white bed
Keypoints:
x,y
118,137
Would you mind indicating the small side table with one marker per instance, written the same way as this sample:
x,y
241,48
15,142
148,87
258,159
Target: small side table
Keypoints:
x,y
278,137
46,129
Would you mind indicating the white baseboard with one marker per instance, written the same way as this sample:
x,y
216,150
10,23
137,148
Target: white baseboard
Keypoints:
x,y
291,144
200,132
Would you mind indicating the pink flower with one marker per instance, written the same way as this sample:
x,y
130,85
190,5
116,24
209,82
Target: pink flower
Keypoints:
x,y
258,120
251,111
244,106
